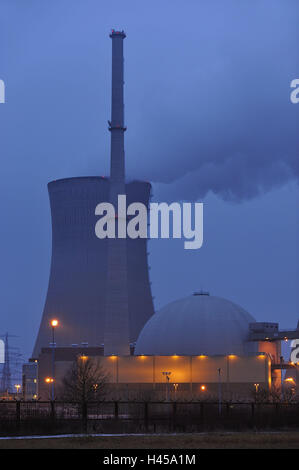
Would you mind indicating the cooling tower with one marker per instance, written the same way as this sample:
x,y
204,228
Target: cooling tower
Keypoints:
x,y
99,289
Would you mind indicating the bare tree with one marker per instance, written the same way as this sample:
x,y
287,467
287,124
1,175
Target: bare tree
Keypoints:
x,y
260,394
85,381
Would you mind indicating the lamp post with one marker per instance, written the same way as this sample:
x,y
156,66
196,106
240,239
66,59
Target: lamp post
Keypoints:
x,y
219,391
95,390
49,381
54,324
256,387
281,379
175,386
17,386
167,378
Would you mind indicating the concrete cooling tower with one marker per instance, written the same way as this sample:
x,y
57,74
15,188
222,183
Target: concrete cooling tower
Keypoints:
x,y
99,289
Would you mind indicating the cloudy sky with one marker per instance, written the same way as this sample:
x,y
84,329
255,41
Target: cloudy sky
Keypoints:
x,y
209,117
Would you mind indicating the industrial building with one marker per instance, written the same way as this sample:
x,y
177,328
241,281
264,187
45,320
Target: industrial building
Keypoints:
x,y
188,346
99,290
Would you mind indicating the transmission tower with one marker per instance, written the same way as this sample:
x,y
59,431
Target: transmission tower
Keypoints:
x,y
5,379
6,376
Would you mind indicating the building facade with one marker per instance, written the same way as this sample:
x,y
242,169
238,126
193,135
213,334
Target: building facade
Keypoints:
x,y
139,377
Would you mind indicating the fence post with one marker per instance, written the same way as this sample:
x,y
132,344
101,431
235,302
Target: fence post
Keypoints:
x,y
84,416
174,406
116,409
201,411
252,410
18,414
146,416
278,415
52,403
277,408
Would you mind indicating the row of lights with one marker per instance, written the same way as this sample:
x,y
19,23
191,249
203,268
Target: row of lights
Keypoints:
x,y
175,356
54,323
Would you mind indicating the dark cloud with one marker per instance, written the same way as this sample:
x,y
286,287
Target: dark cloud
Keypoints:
x,y
207,92
218,113
234,178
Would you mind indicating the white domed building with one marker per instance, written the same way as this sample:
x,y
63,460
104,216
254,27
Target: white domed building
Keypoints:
x,y
198,324
185,351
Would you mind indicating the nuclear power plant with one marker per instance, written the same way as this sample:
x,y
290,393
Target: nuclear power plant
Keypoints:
x,y
99,289
99,292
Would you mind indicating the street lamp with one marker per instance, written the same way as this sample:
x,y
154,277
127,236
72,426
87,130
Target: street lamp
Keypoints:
x,y
175,386
219,391
281,378
54,323
95,389
290,379
167,378
17,386
49,380
256,386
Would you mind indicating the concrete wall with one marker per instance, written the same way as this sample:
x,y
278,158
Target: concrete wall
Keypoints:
x,y
78,278
273,348
144,373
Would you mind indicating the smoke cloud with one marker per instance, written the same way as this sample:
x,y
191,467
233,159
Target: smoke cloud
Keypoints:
x,y
217,114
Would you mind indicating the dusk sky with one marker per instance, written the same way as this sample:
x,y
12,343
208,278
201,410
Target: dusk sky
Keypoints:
x,y
209,118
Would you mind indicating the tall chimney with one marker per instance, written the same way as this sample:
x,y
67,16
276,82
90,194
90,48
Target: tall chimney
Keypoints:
x,y
116,334
117,129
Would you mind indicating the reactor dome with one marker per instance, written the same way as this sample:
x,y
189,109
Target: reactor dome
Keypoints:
x,y
199,324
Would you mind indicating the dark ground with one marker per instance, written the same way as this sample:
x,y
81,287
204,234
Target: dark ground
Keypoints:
x,y
246,440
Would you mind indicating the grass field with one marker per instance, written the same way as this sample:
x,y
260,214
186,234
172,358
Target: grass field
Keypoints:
x,y
261,440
